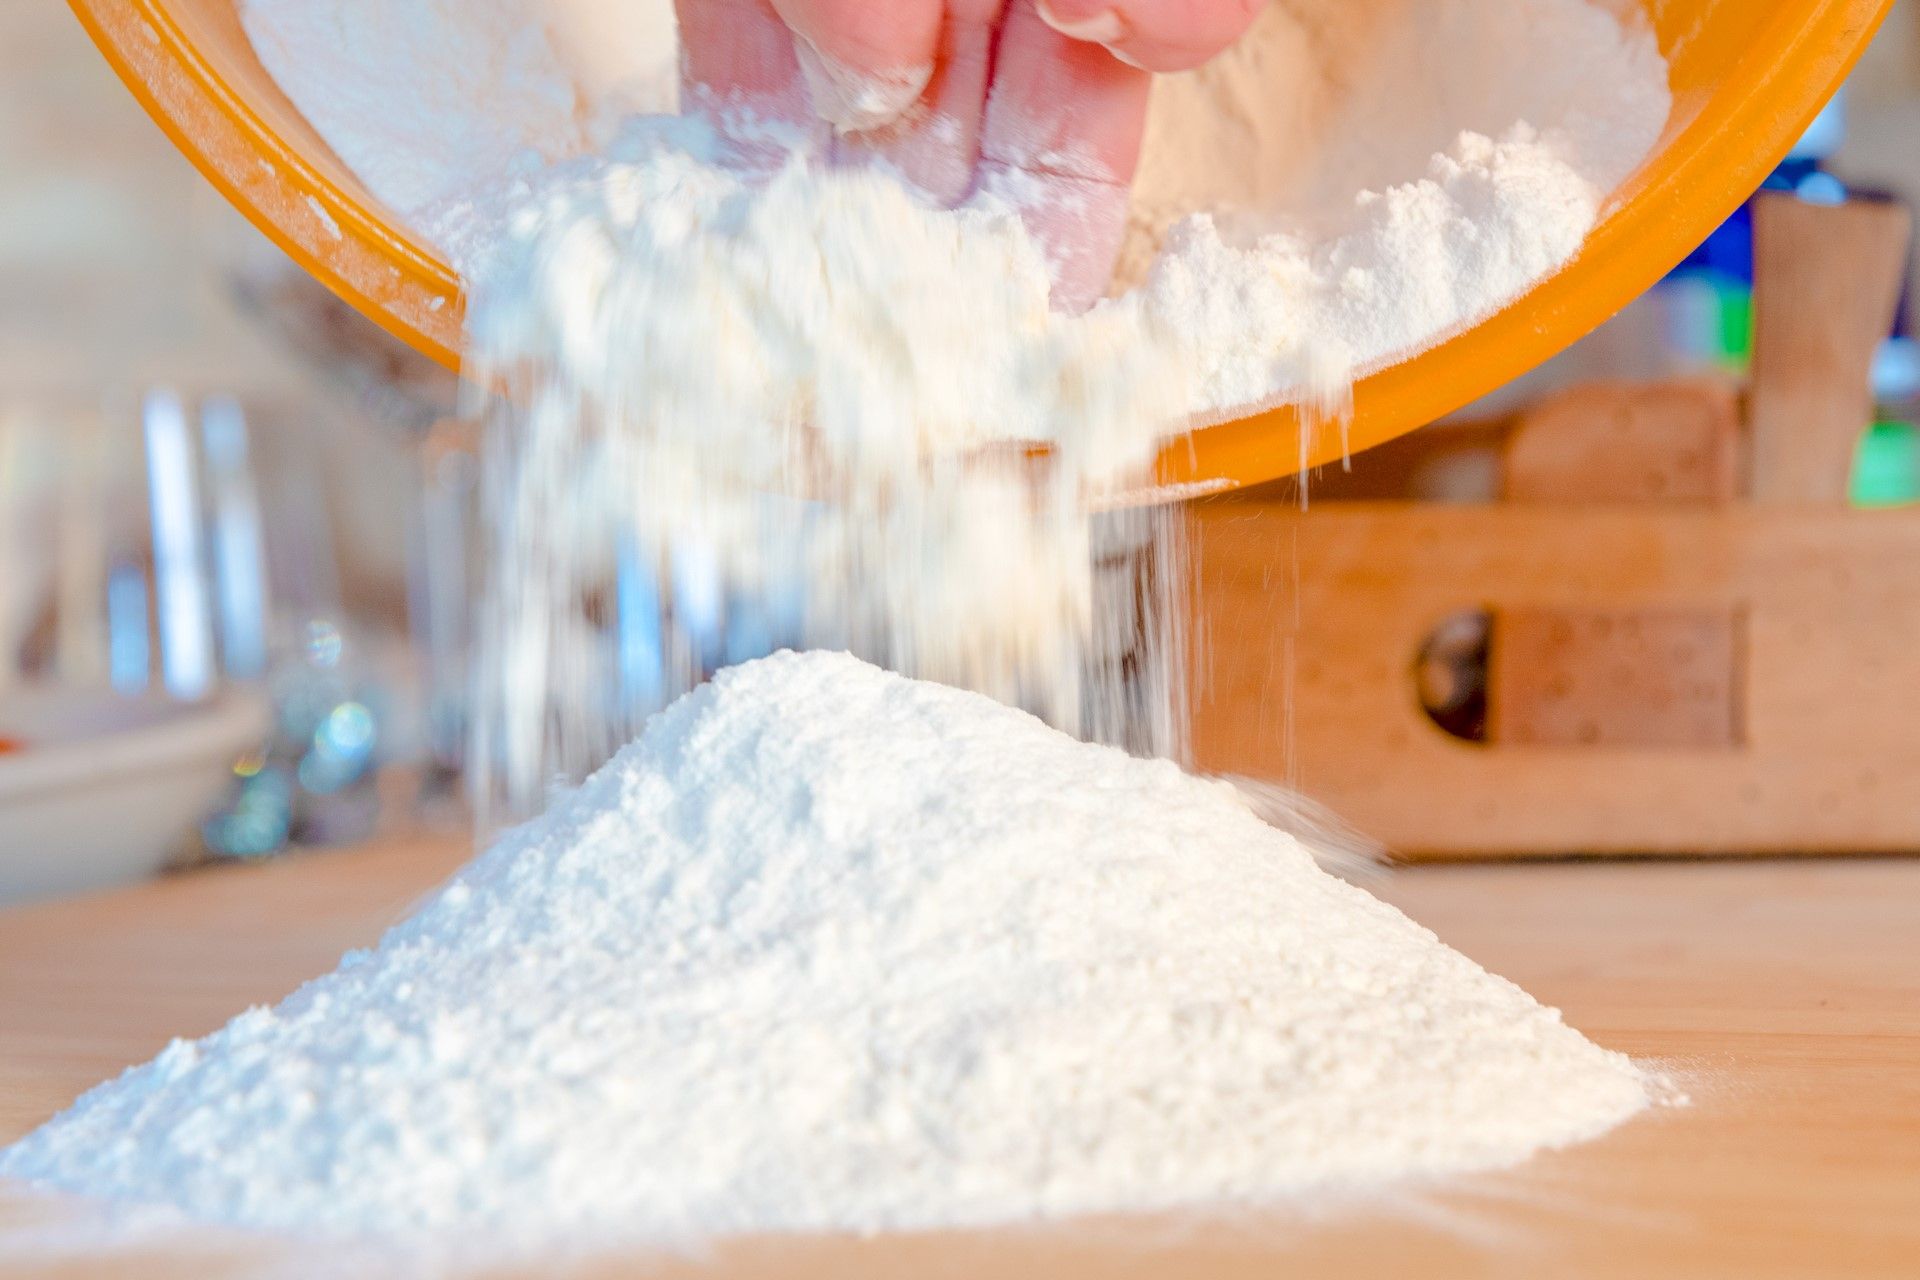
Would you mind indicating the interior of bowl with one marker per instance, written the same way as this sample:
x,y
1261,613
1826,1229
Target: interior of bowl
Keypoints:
x,y
190,64
1747,77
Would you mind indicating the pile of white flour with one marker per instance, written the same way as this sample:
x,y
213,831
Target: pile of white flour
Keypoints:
x,y
827,949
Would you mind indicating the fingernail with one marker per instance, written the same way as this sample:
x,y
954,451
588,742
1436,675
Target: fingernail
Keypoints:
x,y
855,101
1104,27
1124,58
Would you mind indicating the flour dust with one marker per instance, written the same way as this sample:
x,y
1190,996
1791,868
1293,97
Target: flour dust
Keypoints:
x,y
757,399
742,410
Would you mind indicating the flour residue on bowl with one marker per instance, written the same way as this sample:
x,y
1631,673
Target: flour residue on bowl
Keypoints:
x,y
1354,181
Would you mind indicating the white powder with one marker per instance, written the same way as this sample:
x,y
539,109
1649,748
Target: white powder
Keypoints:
x,y
1390,171
827,949
427,99
817,385
809,380
720,308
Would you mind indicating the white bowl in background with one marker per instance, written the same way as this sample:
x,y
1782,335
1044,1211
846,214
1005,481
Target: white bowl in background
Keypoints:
x,y
107,786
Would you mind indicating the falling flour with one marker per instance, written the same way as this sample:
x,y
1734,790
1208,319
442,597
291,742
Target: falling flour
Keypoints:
x,y
809,381
782,400
827,949
792,401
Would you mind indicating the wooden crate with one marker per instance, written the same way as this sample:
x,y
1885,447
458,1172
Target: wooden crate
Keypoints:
x,y
1312,680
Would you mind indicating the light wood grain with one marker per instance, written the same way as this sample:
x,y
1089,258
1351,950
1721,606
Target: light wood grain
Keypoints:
x,y
1676,441
1633,678
1620,677
1825,283
1786,995
1310,676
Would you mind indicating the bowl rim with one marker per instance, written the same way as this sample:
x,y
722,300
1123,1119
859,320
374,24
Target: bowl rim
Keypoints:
x,y
166,737
1720,142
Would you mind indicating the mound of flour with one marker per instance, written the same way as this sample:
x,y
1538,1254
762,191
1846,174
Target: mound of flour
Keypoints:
x,y
827,949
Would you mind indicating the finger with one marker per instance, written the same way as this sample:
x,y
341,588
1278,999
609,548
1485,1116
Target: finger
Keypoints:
x,y
1060,141
738,67
865,61
1157,35
936,144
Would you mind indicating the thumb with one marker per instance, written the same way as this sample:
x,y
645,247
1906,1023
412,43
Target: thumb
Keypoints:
x,y
865,63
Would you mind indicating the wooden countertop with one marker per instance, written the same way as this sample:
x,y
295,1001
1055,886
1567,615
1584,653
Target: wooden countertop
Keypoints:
x,y
1786,994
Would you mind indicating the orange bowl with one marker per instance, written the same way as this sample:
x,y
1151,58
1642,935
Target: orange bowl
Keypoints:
x,y
1747,78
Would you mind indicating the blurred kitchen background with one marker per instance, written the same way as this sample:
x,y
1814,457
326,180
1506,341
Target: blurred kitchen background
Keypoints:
x,y
235,539
211,511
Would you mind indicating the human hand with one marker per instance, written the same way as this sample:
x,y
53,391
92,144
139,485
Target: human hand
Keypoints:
x,y
1042,102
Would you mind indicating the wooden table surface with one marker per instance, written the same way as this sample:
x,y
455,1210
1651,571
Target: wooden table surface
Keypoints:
x,y
1786,995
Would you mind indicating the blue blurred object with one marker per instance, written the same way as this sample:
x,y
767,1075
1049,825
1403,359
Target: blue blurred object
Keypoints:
x,y
255,824
1709,294
240,576
1707,305
1824,136
187,663
1728,252
641,648
129,662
